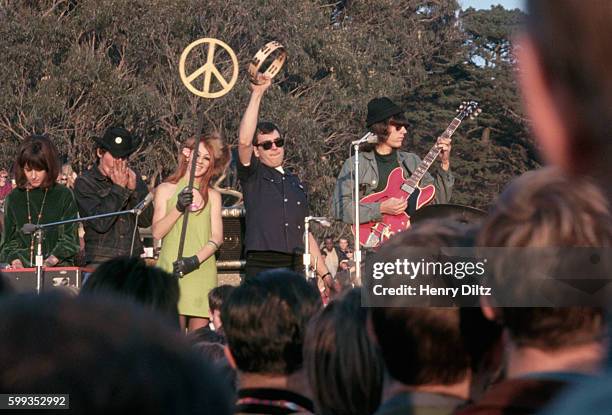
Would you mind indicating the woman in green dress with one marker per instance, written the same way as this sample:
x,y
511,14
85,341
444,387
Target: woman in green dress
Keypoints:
x,y
39,200
204,231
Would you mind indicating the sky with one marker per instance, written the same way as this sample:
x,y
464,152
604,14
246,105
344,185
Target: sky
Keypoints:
x,y
485,4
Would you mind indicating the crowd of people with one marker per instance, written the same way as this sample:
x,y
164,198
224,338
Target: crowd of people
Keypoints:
x,y
269,345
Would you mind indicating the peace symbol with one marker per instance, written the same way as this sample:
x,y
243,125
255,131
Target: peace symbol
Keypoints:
x,y
208,70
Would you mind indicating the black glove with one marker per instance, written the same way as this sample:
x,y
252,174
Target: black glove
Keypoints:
x,y
185,265
184,199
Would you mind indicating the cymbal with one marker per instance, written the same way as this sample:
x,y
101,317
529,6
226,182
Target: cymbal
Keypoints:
x,y
461,213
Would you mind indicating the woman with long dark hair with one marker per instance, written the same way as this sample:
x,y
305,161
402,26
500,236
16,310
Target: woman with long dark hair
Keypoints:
x,y
38,199
204,232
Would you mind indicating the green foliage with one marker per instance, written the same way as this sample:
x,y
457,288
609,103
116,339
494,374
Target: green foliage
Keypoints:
x,y
75,67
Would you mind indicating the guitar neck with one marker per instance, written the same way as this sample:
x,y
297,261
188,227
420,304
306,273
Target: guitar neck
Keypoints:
x,y
427,161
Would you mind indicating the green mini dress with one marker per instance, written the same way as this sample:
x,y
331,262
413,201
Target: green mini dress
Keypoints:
x,y
194,287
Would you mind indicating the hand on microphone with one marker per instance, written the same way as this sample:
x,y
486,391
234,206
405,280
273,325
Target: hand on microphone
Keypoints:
x,y
184,199
185,265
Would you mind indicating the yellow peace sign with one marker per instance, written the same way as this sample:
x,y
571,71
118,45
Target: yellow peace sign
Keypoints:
x,y
208,69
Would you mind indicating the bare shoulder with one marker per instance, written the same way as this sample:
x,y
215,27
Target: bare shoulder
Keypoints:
x,y
165,190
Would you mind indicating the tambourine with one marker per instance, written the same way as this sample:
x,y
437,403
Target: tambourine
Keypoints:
x,y
262,54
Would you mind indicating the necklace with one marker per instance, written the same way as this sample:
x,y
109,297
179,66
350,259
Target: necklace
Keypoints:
x,y
40,212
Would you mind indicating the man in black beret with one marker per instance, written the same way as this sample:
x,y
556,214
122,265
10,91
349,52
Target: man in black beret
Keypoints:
x,y
376,162
111,186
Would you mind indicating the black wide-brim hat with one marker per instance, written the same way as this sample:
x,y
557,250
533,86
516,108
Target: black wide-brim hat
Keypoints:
x,y
118,141
380,109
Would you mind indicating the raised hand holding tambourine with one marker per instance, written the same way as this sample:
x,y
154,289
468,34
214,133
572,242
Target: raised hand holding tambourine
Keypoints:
x,y
279,56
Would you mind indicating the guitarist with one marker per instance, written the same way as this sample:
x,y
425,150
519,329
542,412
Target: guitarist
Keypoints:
x,y
376,161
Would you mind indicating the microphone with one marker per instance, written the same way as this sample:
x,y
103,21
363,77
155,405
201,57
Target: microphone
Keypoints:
x,y
144,203
367,138
321,220
28,228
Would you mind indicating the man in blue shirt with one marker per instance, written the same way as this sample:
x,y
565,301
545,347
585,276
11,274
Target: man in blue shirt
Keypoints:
x,y
276,201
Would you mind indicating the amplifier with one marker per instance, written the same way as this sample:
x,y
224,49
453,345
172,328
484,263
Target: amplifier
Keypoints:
x,y
24,279
230,256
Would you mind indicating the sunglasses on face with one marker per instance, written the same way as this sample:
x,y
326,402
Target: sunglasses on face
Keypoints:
x,y
267,145
397,125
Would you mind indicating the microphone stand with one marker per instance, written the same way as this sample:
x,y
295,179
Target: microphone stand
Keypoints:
x,y
306,257
38,230
39,260
138,211
357,251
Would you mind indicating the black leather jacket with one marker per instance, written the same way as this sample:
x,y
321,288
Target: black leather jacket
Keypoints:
x,y
109,237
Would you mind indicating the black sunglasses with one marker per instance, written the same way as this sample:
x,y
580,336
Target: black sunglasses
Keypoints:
x,y
267,145
398,126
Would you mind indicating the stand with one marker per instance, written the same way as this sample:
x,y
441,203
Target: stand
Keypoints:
x,y
306,256
323,221
39,261
357,251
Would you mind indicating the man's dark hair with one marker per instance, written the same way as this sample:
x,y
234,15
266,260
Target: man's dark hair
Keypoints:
x,y
553,328
424,345
344,366
546,208
265,127
205,334
109,355
381,130
218,295
265,319
132,278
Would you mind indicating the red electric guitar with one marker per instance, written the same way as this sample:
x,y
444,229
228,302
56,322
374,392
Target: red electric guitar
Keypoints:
x,y
372,234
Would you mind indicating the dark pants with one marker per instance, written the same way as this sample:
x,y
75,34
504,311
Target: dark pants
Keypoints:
x,y
259,261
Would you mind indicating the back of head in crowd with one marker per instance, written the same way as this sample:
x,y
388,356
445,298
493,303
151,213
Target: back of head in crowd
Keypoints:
x,y
265,320
546,208
566,69
344,367
108,355
216,297
132,278
424,345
